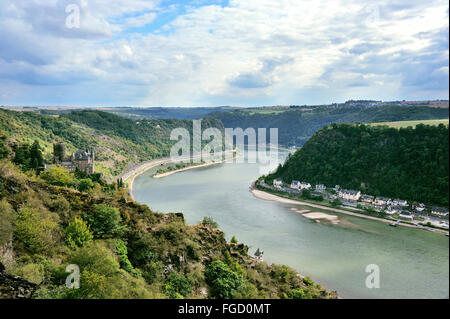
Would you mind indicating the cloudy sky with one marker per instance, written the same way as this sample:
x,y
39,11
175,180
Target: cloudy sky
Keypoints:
x,y
221,52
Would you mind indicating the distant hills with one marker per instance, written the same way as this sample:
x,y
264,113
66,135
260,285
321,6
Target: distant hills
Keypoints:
x,y
297,125
406,163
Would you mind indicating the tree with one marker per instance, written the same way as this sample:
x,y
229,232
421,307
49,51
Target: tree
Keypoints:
x,y
208,221
177,286
85,184
59,176
234,240
104,220
78,233
223,282
36,158
36,230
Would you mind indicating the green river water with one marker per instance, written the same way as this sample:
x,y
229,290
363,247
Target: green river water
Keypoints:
x,y
413,263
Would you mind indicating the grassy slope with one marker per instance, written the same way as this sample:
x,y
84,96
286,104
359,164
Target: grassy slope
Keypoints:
x,y
400,124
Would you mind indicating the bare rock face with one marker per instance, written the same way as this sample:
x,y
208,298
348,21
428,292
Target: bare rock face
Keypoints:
x,y
13,287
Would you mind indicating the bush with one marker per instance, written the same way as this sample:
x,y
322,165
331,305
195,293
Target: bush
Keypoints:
x,y
104,220
223,282
177,286
36,231
336,202
78,234
85,185
6,222
208,221
122,253
59,176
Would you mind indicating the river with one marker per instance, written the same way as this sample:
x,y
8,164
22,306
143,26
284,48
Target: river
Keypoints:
x,y
413,263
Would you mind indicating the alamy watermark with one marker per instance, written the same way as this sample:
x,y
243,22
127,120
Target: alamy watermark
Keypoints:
x,y
73,279
73,16
221,145
373,279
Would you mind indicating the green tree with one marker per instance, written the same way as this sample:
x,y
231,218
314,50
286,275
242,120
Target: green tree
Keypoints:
x,y
104,220
59,176
223,282
85,184
36,158
177,286
36,231
78,233
209,221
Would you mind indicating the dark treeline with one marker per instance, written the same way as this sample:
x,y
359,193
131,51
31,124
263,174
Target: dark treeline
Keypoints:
x,y
406,163
295,127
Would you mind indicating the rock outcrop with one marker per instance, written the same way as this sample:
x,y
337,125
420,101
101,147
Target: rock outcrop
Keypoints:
x,y
13,287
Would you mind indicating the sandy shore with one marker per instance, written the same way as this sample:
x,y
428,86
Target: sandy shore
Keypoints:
x,y
267,196
186,168
129,176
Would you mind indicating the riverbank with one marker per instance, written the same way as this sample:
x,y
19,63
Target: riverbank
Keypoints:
x,y
271,197
186,168
129,176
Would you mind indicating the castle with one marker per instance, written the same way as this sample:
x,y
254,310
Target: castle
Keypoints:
x,y
83,160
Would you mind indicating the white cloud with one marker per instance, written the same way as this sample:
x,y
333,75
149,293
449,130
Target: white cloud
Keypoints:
x,y
249,52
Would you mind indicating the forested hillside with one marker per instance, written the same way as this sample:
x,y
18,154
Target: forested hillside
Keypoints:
x,y
296,126
406,163
54,218
118,142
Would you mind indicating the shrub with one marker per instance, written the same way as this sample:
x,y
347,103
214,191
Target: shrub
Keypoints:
x,y
85,184
122,253
234,240
223,282
78,234
208,221
298,293
59,176
177,286
36,230
6,222
104,220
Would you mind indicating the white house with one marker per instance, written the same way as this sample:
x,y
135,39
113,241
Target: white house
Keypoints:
x,y
419,207
382,201
439,211
295,184
349,194
400,202
367,199
277,182
300,185
321,188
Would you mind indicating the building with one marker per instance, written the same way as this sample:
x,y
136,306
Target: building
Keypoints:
x,y
406,215
400,202
382,201
420,207
300,185
368,199
439,212
321,188
349,194
277,183
82,160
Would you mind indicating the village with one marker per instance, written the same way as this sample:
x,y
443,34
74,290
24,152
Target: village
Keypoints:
x,y
396,209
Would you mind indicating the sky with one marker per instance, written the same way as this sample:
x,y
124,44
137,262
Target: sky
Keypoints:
x,y
221,52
